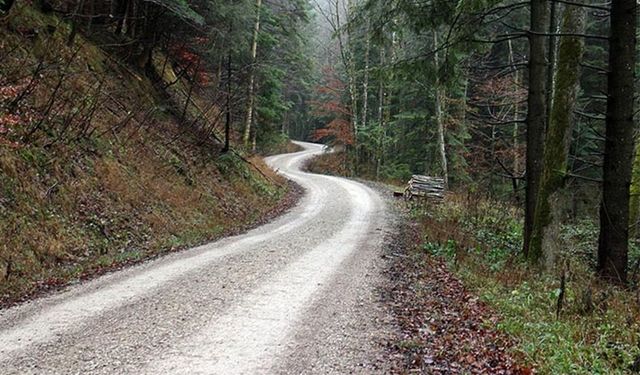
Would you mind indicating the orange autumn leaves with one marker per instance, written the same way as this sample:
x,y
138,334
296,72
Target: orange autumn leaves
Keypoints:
x,y
329,105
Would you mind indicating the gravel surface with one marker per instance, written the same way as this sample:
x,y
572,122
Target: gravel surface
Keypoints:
x,y
298,295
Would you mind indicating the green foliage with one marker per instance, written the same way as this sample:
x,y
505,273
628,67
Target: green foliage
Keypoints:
x,y
283,69
575,344
602,341
396,172
181,9
271,102
229,164
446,250
273,142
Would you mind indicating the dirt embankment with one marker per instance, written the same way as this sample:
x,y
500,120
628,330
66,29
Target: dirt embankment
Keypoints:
x,y
101,166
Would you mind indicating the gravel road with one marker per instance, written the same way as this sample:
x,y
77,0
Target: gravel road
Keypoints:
x,y
298,295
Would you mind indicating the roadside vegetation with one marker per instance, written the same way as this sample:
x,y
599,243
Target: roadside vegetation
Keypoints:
x,y
561,322
109,157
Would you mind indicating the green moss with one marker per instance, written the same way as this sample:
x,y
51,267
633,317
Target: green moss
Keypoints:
x,y
558,137
26,16
634,199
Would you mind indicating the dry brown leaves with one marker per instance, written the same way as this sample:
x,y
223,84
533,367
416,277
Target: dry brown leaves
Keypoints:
x,y
443,329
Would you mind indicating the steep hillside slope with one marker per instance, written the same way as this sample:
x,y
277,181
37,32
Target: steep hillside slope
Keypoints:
x,y
99,166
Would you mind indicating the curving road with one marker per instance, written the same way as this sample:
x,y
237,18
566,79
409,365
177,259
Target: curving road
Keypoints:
x,y
295,296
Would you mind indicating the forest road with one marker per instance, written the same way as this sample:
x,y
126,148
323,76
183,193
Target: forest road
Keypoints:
x,y
297,295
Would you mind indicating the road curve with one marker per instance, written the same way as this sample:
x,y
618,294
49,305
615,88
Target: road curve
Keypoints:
x,y
294,296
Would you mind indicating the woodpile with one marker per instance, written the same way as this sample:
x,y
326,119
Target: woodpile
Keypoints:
x,y
425,186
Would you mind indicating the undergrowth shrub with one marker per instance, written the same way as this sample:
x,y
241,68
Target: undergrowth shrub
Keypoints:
x,y
272,143
596,327
396,172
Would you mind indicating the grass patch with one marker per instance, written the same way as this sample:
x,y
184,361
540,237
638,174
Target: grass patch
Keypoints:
x,y
598,328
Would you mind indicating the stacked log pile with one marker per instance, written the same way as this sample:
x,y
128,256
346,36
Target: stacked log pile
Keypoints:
x,y
425,186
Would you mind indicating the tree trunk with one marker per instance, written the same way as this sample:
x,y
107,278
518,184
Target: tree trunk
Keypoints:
x,y
516,126
132,19
192,83
120,13
439,99
558,139
613,243
227,123
380,140
634,194
365,79
351,72
551,50
252,77
74,24
284,129
536,114
254,139
91,12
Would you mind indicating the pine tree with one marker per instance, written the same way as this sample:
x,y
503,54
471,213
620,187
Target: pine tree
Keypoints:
x,y
614,209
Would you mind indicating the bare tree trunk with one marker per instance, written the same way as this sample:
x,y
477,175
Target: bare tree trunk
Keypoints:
x,y
439,99
283,128
227,123
220,69
74,24
252,76
613,243
193,82
351,72
634,193
536,115
551,50
91,13
516,116
120,12
365,80
380,142
131,19
556,153
254,138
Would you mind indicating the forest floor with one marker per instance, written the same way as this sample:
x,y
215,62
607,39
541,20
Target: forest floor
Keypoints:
x,y
440,326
